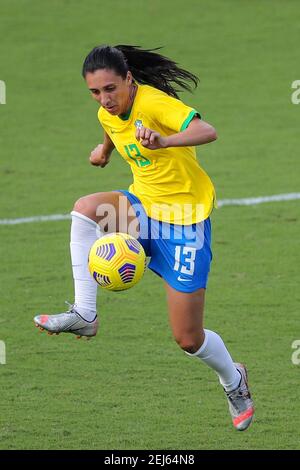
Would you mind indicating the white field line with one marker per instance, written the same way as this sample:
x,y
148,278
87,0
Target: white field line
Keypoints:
x,y
251,201
36,218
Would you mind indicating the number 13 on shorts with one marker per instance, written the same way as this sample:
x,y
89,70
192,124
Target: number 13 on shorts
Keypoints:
x,y
185,259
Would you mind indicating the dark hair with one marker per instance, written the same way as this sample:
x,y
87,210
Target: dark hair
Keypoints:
x,y
147,67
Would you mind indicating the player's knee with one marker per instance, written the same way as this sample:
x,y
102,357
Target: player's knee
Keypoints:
x,y
82,205
189,343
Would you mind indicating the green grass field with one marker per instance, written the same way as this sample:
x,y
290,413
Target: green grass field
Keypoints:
x,y
131,387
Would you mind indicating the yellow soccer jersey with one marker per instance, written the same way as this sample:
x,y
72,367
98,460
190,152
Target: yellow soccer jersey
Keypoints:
x,y
169,182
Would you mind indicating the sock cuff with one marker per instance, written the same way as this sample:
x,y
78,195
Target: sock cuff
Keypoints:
x,y
84,217
202,347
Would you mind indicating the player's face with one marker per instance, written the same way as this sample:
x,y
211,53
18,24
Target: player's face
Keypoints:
x,y
110,90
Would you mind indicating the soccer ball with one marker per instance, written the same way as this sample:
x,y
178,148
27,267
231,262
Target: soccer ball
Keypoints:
x,y
117,261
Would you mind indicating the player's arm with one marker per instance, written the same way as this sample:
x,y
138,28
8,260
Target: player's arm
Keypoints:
x,y
198,132
101,154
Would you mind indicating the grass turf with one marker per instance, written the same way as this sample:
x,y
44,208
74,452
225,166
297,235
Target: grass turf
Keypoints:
x,y
131,387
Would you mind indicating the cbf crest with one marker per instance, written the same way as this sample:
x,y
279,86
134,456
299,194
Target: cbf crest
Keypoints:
x,y
138,123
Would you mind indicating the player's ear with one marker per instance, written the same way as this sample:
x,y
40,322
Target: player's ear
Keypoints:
x,y
129,78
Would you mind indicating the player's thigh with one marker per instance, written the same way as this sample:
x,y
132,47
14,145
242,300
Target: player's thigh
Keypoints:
x,y
186,311
112,210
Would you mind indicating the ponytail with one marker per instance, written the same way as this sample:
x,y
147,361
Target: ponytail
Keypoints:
x,y
147,67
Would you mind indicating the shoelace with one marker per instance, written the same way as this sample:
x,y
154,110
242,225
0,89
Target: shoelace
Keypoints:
x,y
236,395
72,309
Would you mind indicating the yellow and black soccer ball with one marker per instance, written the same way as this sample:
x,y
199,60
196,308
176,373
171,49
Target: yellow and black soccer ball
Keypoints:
x,y
117,261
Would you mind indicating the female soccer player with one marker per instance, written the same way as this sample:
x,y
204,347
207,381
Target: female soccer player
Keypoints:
x,y
170,201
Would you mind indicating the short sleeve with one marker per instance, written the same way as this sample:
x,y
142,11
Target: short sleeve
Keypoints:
x,y
191,115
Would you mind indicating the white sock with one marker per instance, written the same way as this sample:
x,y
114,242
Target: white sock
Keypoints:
x,y
84,232
214,353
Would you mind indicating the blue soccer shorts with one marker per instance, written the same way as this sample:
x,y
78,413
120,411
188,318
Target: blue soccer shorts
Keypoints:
x,y
180,254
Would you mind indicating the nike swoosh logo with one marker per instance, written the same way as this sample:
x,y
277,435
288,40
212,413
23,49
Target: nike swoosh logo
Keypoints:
x,y
182,279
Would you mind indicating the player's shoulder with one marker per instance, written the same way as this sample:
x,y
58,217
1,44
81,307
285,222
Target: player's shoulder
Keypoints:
x,y
155,100
150,96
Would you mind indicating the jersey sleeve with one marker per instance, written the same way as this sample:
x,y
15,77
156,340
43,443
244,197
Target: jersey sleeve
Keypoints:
x,y
173,114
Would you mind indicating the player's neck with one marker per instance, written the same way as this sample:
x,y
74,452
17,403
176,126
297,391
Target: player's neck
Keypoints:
x,y
132,94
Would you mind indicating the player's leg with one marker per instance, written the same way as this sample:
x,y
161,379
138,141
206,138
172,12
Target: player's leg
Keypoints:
x,y
186,319
182,258
93,216
184,263
112,211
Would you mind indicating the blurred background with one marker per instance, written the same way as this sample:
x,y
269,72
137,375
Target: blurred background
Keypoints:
x,y
131,387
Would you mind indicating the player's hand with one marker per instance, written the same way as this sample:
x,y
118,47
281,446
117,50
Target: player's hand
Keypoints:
x,y
150,139
97,158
